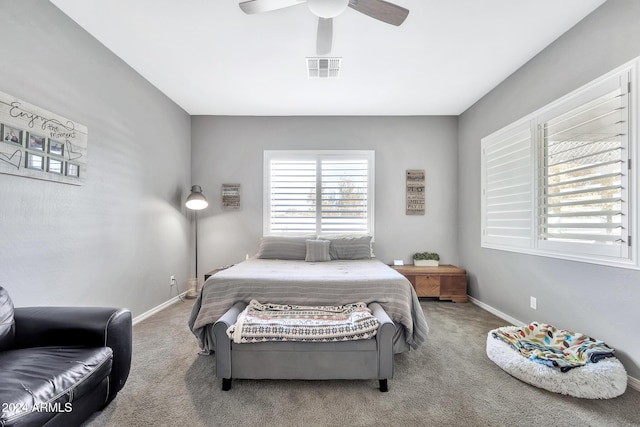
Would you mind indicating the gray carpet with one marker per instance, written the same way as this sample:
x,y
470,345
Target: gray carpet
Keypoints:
x,y
449,381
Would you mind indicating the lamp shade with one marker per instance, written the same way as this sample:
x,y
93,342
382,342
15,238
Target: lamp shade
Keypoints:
x,y
196,199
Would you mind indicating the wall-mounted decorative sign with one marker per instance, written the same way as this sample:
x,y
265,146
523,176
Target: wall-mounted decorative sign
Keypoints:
x,y
230,196
415,192
39,144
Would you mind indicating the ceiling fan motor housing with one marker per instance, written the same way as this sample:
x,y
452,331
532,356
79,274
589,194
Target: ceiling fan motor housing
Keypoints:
x,y
327,8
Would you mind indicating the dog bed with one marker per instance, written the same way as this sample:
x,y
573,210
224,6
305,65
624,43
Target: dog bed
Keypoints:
x,y
602,380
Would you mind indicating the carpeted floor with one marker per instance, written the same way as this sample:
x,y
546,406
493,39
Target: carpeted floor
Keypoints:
x,y
449,381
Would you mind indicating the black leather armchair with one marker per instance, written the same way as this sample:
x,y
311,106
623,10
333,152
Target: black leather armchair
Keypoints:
x,y
58,365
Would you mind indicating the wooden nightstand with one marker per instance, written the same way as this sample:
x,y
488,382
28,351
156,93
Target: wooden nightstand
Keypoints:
x,y
446,282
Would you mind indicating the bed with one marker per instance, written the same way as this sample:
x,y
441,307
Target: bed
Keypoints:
x,y
302,282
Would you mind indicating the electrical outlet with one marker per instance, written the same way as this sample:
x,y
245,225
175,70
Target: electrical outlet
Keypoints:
x,y
172,280
533,303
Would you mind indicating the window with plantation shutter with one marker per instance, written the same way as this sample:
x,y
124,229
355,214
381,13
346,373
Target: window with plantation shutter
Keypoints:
x,y
318,192
583,174
560,182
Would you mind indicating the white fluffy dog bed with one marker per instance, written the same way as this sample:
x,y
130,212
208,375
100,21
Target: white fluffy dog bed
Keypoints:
x,y
602,380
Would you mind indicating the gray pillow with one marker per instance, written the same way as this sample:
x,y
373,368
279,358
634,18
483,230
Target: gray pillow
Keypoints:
x,y
282,247
318,251
7,324
350,248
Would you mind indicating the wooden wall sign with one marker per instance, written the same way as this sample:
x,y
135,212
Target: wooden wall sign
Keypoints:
x,y
415,192
230,196
37,143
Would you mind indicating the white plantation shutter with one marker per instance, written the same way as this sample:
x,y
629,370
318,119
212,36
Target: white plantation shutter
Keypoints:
x,y
583,178
318,192
560,181
344,198
507,188
292,197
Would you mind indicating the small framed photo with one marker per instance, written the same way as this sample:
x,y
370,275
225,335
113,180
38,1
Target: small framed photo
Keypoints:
x,y
56,148
73,170
35,161
11,134
55,166
35,142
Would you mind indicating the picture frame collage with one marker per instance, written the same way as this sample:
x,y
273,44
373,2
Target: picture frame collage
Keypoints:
x,y
38,152
39,144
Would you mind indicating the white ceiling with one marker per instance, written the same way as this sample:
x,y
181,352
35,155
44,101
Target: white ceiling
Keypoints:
x,y
212,59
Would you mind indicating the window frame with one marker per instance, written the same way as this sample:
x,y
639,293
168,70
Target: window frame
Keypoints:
x,y
627,256
318,155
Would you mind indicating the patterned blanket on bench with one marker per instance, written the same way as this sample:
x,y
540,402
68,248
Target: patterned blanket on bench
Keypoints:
x,y
554,347
276,322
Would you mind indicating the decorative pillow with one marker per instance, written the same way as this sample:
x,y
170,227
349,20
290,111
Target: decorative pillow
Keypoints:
x,y
318,251
350,248
283,247
7,324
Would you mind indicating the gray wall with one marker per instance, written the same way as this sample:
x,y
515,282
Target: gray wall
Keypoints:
x,y
230,150
596,300
115,240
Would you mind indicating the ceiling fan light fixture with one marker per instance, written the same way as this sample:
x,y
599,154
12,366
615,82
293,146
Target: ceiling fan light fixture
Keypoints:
x,y
327,8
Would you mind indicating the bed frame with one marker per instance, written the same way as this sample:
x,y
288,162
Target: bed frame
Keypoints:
x,y
360,359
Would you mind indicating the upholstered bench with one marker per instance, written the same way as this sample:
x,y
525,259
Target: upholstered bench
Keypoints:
x,y
360,359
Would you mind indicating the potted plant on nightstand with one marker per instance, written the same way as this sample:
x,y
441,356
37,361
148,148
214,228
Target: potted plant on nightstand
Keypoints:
x,y
426,259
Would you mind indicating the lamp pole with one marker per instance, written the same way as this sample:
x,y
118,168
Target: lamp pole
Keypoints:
x,y
195,219
196,201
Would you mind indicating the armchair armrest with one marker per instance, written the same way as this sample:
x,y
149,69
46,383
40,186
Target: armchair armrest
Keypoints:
x,y
79,326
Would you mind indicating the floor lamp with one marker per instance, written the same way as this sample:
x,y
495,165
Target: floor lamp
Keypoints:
x,y
196,201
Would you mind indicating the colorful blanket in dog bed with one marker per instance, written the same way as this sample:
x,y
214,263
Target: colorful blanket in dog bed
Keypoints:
x,y
276,322
554,347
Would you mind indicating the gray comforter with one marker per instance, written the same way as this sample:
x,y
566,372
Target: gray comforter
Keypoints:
x,y
310,283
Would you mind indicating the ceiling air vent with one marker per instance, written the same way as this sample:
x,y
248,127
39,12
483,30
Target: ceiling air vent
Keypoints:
x,y
323,68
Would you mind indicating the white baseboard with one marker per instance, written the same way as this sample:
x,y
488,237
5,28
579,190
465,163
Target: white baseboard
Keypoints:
x,y
486,307
155,310
632,382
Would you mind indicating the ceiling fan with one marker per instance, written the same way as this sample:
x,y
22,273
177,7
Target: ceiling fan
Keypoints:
x,y
326,10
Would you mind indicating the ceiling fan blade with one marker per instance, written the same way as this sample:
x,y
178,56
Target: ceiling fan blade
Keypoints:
x,y
325,36
258,6
381,10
